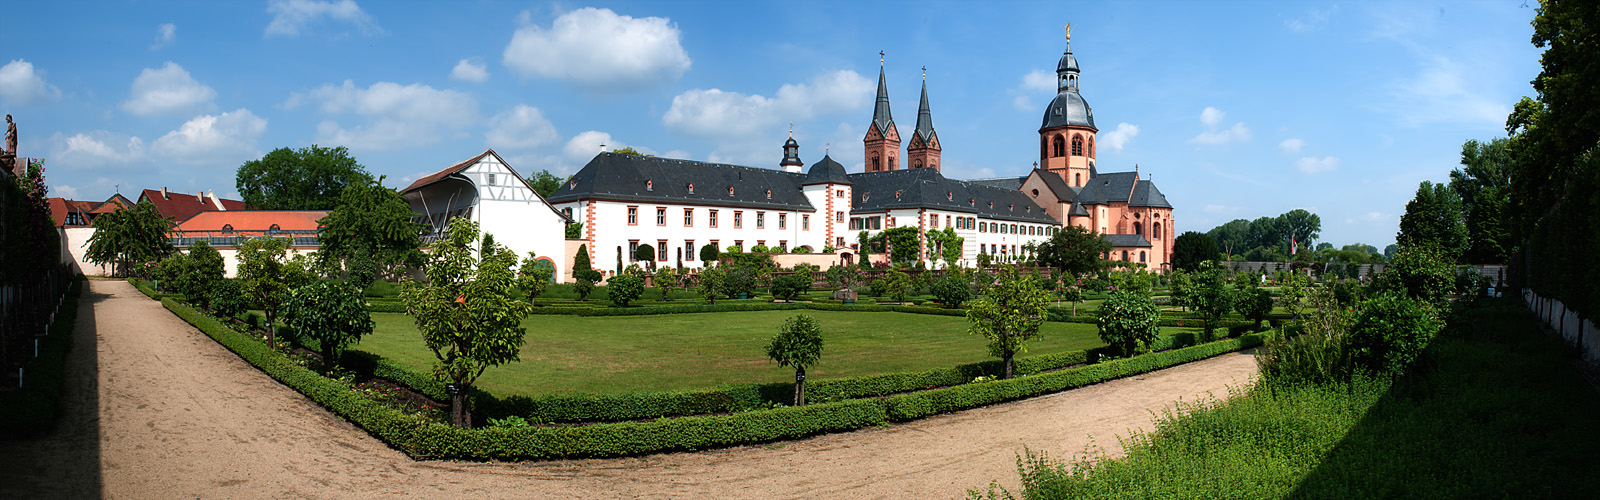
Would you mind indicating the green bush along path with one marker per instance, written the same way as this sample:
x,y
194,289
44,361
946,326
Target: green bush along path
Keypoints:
x,y
612,354
154,409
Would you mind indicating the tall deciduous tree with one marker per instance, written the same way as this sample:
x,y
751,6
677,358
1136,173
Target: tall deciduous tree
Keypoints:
x,y
467,311
1009,314
267,274
1074,250
1483,183
309,178
797,344
544,182
130,236
1434,217
204,271
370,222
1211,297
1191,248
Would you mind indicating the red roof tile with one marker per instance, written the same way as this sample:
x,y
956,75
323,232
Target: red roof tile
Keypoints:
x,y
253,221
440,175
179,206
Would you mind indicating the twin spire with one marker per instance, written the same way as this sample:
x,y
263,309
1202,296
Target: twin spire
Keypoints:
x,y
883,120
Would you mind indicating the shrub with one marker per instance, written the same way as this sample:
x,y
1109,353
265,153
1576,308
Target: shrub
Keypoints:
x,y
739,281
709,254
202,273
897,284
1254,302
1390,330
786,287
1211,296
382,289
1419,271
228,300
666,280
1128,320
624,288
952,290
534,276
711,283
334,314
1313,357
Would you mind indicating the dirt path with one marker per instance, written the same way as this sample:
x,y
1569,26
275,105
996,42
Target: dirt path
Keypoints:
x,y
158,410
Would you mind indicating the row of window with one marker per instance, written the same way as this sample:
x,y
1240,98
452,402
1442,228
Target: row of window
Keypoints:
x,y
689,252
712,220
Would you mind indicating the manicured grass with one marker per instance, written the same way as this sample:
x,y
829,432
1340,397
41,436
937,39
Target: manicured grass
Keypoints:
x,y
1495,410
687,351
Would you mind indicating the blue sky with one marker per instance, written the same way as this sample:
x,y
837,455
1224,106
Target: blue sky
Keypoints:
x,y
1236,110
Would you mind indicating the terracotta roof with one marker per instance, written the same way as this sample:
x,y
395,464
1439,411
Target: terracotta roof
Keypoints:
x,y
180,206
61,207
440,175
116,202
253,221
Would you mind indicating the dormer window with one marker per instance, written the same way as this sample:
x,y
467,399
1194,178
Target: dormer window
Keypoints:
x,y
730,190
950,195
896,195
769,194
972,201
691,189
1011,207
274,229
1029,209
227,229
991,204
572,184
649,185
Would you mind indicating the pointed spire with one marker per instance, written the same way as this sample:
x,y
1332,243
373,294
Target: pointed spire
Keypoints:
x,y
880,113
924,116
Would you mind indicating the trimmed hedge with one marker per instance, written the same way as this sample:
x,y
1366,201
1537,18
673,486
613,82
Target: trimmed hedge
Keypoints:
x,y
32,409
144,287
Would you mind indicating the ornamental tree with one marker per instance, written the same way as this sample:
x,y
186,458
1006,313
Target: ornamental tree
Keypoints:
x,y
666,280
1191,248
1009,314
534,277
129,236
897,284
624,288
1073,250
797,344
371,224
711,283
583,274
267,274
646,254
1254,302
467,311
952,290
1129,320
1292,291
709,254
1211,297
333,313
201,275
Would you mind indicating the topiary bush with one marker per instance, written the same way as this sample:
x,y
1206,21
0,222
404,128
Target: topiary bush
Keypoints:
x,y
624,288
1390,330
1129,320
332,313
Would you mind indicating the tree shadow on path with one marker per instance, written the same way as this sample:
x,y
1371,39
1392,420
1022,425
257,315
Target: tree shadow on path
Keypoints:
x,y
64,462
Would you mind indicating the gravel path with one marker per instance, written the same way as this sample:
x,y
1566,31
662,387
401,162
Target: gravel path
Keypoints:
x,y
154,409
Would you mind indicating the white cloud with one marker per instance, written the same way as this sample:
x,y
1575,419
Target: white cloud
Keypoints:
x,y
95,149
1039,81
470,71
719,114
215,140
1291,145
599,50
1312,20
677,153
398,116
520,127
20,84
169,90
289,17
1313,165
1211,117
582,147
165,34
1115,139
64,191
1440,93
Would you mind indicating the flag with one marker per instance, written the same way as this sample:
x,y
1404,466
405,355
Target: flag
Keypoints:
x,y
1294,246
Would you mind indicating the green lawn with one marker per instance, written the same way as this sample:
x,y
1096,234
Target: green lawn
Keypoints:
x,y
686,351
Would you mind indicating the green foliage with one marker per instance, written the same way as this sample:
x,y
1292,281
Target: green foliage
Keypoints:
x,y
546,184
1190,249
1129,320
369,228
843,277
897,285
709,254
645,253
1292,292
1483,185
1435,218
1182,288
946,244
267,274
334,314
798,344
713,282
574,231
740,280
309,178
1009,315
667,280
787,286
1267,238
1419,271
624,288
1211,298
1073,250
466,311
1390,331
904,243
1254,302
201,275
952,290
128,237
227,298
33,243
583,274
534,277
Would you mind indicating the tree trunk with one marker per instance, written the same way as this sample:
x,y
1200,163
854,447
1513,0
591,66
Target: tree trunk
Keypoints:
x,y
272,329
460,414
1007,373
800,386
328,357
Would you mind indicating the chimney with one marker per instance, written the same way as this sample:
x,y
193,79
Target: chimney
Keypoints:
x,y
214,201
163,192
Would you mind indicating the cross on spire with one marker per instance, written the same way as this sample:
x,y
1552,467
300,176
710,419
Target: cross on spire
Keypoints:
x,y
924,72
880,58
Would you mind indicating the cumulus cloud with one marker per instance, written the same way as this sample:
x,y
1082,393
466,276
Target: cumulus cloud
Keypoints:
x,y
397,116
470,71
1036,82
165,91
599,50
290,17
95,150
1115,139
21,84
1312,20
716,113
165,34
218,140
520,127
1212,117
582,147
1313,165
1291,145
64,191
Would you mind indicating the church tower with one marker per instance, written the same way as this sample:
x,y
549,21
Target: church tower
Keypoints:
x,y
924,149
882,140
1066,138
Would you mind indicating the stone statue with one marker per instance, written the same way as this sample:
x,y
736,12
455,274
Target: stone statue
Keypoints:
x,y
11,146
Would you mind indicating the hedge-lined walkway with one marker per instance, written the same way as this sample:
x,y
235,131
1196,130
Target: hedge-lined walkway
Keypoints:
x,y
177,416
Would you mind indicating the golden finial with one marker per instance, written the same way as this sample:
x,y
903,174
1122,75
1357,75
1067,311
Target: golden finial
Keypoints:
x,y
880,58
1068,27
924,73
791,130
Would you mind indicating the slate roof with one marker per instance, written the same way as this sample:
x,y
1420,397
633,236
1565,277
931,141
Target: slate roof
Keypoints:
x,y
880,111
622,177
1145,194
1058,186
924,128
1068,108
826,171
1068,62
1001,182
1126,240
927,188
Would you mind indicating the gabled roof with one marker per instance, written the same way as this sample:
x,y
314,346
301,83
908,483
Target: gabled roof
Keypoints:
x,y
112,204
1063,192
1126,240
624,177
927,188
1105,189
254,220
60,207
178,206
457,168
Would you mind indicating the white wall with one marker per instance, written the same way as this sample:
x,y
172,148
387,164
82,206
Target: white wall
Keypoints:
x,y
611,230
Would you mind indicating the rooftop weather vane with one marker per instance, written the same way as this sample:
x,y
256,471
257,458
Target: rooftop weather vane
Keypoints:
x,y
791,130
1068,27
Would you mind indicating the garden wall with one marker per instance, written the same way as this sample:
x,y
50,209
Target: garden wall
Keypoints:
x,y
1575,330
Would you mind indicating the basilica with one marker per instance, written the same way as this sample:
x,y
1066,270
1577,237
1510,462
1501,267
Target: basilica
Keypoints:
x,y
678,206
